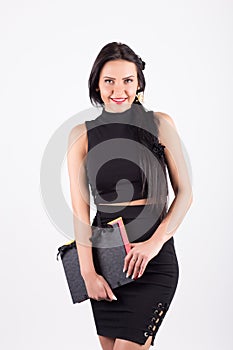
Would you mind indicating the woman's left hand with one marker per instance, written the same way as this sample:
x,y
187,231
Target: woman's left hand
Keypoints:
x,y
139,256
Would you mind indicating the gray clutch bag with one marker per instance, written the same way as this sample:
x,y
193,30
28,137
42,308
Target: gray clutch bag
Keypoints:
x,y
110,245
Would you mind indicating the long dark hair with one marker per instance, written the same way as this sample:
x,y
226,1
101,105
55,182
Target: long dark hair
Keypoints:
x,y
155,176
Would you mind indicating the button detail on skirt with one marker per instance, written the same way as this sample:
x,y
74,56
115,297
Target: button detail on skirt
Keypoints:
x,y
156,320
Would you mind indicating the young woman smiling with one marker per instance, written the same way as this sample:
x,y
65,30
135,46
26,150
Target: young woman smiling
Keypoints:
x,y
145,146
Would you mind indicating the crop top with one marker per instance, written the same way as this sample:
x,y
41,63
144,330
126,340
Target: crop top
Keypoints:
x,y
113,166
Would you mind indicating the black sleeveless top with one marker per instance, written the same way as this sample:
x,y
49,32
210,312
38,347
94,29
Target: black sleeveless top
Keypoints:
x,y
113,167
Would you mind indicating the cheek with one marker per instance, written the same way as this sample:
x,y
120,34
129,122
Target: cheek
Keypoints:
x,y
131,90
106,90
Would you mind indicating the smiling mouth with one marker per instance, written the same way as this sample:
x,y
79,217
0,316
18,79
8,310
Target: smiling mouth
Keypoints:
x,y
119,100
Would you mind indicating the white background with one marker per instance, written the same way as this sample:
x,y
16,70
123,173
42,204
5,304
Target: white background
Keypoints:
x,y
47,50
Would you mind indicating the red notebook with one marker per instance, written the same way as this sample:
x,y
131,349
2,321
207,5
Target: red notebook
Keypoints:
x,y
119,221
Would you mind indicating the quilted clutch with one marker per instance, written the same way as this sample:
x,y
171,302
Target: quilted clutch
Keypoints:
x,y
110,245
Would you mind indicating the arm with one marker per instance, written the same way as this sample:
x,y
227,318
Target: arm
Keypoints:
x,y
179,177
80,197
97,286
180,181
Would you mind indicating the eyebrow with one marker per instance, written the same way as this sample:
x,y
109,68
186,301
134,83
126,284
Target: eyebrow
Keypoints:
x,y
130,76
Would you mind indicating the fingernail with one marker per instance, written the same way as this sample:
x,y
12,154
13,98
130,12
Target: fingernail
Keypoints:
x,y
132,277
124,269
127,275
114,297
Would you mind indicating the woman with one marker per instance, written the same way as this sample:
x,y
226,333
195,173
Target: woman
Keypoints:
x,y
132,184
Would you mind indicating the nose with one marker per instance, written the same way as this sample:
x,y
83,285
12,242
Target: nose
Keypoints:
x,y
118,91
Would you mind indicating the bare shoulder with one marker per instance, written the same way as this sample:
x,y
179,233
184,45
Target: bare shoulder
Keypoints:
x,y
78,135
163,118
167,130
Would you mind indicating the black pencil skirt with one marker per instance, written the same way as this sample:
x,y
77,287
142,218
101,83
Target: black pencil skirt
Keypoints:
x,y
142,304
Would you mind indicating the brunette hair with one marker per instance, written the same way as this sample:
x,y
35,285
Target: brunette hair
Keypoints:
x,y
110,52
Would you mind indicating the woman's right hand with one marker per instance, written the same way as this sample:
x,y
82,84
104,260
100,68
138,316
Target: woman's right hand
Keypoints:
x,y
98,288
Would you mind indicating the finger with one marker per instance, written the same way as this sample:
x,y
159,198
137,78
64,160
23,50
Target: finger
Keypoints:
x,y
129,268
110,295
137,268
106,289
142,268
127,261
129,257
131,265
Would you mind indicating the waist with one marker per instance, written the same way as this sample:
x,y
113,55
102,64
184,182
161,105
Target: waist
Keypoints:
x,y
140,221
142,201
130,211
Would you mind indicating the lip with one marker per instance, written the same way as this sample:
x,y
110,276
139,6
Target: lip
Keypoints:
x,y
119,100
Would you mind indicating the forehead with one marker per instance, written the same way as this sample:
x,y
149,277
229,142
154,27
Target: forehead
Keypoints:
x,y
118,68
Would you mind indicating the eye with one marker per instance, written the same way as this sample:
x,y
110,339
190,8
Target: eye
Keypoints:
x,y
128,80
108,81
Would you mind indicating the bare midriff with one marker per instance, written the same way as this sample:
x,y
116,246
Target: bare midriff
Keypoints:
x,y
135,202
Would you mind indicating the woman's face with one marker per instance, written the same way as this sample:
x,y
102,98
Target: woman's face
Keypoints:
x,y
118,84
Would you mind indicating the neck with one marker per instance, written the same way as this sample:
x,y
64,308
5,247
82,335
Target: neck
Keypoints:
x,y
117,108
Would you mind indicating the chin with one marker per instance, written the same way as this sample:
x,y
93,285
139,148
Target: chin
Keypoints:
x,y
118,107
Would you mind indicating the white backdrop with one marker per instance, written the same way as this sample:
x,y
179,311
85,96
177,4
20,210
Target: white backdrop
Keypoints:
x,y
47,50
